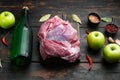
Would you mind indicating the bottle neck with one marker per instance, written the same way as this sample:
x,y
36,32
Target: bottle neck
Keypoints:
x,y
25,14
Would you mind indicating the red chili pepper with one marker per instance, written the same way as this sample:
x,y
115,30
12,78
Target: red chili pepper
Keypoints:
x,y
90,61
4,41
87,31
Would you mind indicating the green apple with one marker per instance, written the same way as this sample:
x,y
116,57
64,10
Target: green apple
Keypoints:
x,y
95,40
7,19
111,52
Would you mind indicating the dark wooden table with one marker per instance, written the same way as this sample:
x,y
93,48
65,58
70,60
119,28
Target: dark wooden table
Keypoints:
x,y
76,71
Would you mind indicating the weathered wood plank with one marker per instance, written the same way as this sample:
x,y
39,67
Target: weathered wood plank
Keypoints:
x,y
67,72
81,8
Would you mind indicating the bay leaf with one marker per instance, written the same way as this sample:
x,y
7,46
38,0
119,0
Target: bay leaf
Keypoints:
x,y
76,18
44,18
105,19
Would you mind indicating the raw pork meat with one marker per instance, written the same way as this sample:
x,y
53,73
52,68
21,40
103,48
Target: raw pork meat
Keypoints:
x,y
59,39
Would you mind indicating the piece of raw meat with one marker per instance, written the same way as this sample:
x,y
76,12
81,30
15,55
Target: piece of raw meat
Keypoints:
x,y
59,39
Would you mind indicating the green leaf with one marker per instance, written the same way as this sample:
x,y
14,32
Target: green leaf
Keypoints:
x,y
105,19
44,18
76,18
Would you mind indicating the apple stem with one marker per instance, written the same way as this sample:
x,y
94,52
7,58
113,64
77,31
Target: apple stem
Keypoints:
x,y
6,14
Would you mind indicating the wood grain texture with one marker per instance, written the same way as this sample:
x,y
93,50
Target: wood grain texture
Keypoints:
x,y
36,71
39,70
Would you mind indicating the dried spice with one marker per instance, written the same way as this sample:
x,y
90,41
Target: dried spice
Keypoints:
x,y
94,19
4,41
111,28
0,63
76,18
44,18
105,19
90,61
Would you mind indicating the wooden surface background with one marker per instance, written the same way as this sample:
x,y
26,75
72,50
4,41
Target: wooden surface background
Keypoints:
x,y
61,71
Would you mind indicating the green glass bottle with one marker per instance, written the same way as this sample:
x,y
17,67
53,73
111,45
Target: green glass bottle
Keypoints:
x,y
21,50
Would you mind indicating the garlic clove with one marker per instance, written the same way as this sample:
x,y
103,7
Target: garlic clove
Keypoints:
x,y
117,41
110,39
